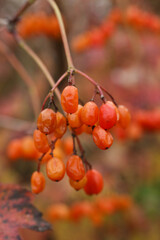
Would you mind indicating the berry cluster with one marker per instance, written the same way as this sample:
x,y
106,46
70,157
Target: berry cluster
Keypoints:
x,y
52,125
95,210
132,17
38,24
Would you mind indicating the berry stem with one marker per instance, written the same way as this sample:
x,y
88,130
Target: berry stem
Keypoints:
x,y
39,62
22,10
54,88
39,162
83,153
74,144
99,87
63,33
16,64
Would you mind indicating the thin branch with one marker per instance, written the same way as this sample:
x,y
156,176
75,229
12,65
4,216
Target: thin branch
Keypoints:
x,y
16,64
99,87
63,33
22,10
39,62
54,88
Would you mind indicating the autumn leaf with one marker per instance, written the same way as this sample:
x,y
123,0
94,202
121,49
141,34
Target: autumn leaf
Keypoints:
x,y
17,212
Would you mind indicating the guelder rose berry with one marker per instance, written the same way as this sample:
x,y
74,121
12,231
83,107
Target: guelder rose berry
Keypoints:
x,y
89,113
107,116
69,99
46,122
75,168
102,138
94,183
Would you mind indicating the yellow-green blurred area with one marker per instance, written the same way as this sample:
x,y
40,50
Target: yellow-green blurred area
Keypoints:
x,y
128,66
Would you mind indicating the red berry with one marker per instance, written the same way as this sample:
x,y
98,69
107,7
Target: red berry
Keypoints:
x,y
102,138
69,99
40,141
94,183
46,122
107,115
37,182
75,168
55,169
89,113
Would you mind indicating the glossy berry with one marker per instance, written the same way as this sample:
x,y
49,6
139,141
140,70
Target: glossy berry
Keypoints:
x,y
74,119
55,169
61,127
124,116
94,183
46,122
69,99
89,113
75,168
107,116
77,185
102,138
37,182
40,141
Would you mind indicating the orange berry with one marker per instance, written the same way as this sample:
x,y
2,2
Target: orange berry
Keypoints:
x,y
80,210
55,169
29,150
102,138
14,149
61,127
87,129
124,116
94,183
47,157
46,122
68,145
58,153
40,141
74,119
69,99
37,182
89,113
78,185
58,212
75,168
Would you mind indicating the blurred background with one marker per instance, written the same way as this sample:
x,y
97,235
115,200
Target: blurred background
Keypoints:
x,y
117,43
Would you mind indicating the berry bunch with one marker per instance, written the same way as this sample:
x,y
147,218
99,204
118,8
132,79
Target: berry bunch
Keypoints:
x,y
36,24
51,127
95,210
132,17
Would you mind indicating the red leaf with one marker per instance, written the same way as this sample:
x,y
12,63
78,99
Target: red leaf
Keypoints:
x,y
16,211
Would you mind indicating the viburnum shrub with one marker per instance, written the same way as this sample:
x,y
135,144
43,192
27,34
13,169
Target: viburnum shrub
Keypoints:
x,y
47,145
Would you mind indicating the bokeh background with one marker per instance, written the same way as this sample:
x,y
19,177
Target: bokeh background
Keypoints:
x,y
127,64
